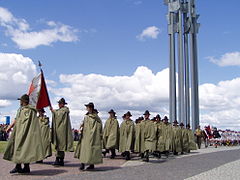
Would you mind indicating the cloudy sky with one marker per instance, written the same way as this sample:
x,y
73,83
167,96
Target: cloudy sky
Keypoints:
x,y
115,53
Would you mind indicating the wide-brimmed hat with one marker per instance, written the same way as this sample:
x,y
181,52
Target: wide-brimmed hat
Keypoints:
x,y
128,114
112,111
90,105
62,101
146,112
158,116
165,118
175,122
24,98
181,124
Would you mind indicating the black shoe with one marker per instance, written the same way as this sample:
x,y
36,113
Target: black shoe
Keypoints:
x,y
123,154
61,162
82,166
167,154
112,157
17,169
39,162
91,167
26,168
57,163
127,156
113,153
104,153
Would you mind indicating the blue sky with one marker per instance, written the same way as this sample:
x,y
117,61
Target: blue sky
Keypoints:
x,y
104,39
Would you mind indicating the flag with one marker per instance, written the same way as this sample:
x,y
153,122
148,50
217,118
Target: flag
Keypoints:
x,y
38,94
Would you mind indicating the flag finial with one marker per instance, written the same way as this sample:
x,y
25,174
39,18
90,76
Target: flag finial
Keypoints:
x,y
39,64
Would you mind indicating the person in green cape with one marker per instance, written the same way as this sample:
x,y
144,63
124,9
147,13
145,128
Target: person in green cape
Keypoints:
x,y
137,144
62,137
185,139
177,137
45,134
148,135
111,134
90,143
127,136
25,144
192,144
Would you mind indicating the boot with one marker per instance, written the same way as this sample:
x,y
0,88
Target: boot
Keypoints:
x,y
127,155
91,167
39,162
146,158
57,163
105,152
26,168
17,169
167,154
61,162
113,154
82,166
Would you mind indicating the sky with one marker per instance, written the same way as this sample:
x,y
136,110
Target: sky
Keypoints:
x,y
115,53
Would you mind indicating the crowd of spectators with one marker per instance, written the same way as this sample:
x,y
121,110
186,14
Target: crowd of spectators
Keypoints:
x,y
3,134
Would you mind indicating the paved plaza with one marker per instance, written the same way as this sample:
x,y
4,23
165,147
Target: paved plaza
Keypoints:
x,y
207,163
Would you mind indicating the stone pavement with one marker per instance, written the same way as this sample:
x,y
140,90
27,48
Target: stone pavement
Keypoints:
x,y
200,164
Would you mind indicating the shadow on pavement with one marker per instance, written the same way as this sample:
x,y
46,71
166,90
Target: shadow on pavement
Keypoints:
x,y
106,168
45,172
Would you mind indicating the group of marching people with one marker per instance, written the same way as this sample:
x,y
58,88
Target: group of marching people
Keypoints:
x,y
32,138
146,136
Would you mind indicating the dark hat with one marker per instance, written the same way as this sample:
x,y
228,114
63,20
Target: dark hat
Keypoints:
x,y
158,116
181,124
188,125
90,105
146,113
128,114
112,111
153,119
165,118
62,101
24,98
175,122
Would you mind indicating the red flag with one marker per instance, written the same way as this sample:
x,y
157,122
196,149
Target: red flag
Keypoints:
x,y
38,93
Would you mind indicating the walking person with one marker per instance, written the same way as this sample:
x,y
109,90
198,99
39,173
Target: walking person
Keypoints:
x,y
62,137
90,143
25,144
198,133
45,133
111,134
127,136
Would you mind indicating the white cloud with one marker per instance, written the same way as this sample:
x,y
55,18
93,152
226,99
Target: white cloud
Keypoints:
x,y
20,32
143,90
4,103
151,32
228,59
219,103
16,73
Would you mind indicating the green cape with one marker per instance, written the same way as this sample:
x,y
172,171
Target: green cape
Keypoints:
x,y
25,144
62,136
